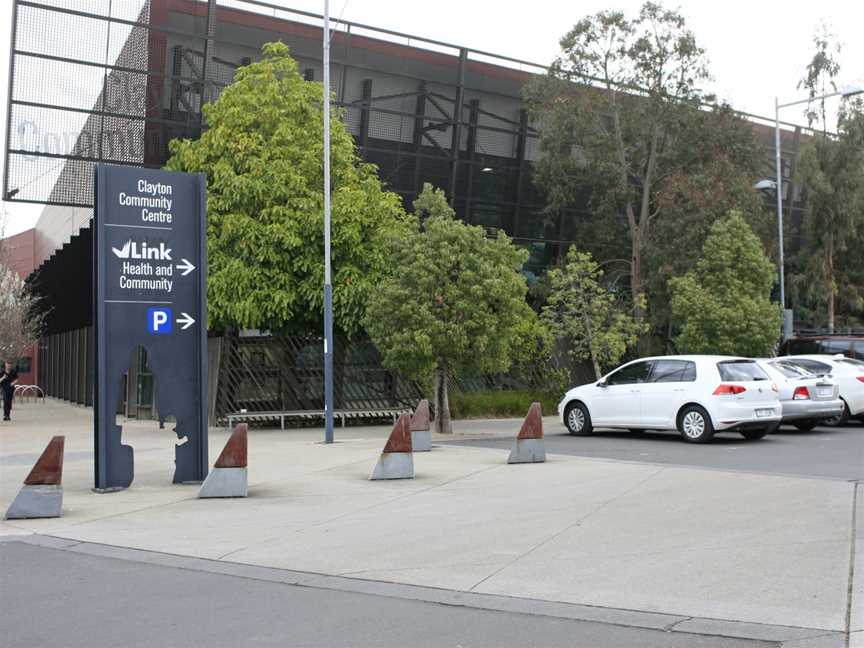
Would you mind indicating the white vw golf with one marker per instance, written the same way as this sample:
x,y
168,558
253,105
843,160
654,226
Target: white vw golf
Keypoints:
x,y
696,395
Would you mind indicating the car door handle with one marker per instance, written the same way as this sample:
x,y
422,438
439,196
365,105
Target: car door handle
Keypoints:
x,y
679,389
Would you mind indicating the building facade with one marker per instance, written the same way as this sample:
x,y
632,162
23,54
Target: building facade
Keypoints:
x,y
18,253
420,109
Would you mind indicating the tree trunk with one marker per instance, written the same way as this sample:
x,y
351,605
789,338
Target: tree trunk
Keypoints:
x,y
586,322
596,364
442,401
637,281
832,286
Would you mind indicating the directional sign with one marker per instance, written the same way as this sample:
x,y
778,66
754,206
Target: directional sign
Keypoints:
x,y
150,290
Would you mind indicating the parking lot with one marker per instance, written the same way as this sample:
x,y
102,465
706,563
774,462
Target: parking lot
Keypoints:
x,y
829,453
610,536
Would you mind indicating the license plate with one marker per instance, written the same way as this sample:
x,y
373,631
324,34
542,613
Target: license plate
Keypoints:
x,y
764,412
825,391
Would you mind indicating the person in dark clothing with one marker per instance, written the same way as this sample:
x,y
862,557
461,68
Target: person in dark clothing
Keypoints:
x,y
8,380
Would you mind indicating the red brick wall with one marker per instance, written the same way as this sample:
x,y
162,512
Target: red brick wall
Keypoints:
x,y
19,253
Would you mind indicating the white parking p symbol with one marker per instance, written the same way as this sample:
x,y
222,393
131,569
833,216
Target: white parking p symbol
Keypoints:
x,y
159,320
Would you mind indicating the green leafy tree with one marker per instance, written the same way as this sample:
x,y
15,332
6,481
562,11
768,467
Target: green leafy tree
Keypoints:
x,y
597,326
262,154
711,179
828,272
614,110
453,302
832,168
724,305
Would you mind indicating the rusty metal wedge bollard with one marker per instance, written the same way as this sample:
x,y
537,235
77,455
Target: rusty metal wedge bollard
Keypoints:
x,y
396,460
529,446
421,434
229,475
41,496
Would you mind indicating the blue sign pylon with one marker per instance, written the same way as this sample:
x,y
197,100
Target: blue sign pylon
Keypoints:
x,y
150,290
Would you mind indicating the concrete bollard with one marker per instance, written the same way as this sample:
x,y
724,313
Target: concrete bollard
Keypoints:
x,y
41,496
529,446
396,461
421,435
228,477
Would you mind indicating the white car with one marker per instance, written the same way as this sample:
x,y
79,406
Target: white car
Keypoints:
x,y
848,373
696,395
807,399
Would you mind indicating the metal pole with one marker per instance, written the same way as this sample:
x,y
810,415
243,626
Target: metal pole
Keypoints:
x,y
6,189
328,288
779,210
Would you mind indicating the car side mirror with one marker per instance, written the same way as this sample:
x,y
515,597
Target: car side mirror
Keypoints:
x,y
602,384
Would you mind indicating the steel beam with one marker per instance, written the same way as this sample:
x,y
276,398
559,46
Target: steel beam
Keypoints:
x,y
364,113
473,116
521,139
417,139
457,125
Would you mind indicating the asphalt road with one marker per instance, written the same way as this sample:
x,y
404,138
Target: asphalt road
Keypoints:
x,y
831,453
50,597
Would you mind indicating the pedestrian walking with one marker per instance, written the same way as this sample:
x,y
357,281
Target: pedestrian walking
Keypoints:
x,y
8,380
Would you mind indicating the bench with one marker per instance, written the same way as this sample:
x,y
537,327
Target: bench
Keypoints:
x,y
342,414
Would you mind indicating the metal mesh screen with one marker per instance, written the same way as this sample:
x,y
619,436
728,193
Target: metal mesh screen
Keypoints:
x,y
116,80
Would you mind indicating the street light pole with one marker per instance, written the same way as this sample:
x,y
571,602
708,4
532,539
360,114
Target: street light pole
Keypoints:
x,y
328,287
779,192
845,92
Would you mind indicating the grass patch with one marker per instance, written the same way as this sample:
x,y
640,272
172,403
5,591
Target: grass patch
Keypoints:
x,y
501,404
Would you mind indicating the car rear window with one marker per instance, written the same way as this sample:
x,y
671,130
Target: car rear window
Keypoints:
x,y
742,370
813,366
851,361
790,370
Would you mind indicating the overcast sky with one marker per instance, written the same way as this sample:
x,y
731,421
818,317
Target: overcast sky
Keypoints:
x,y
757,49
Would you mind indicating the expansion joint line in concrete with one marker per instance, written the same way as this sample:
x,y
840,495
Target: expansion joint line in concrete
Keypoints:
x,y
850,595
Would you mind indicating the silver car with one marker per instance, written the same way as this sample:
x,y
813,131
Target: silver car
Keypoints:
x,y
807,399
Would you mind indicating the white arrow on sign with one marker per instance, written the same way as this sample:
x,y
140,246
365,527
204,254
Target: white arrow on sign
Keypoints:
x,y
186,320
186,266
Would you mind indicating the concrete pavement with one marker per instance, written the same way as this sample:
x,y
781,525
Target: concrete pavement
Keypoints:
x,y
720,552
142,604
830,453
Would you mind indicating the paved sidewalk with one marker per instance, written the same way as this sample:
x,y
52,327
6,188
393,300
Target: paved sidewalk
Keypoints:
x,y
222,610
724,549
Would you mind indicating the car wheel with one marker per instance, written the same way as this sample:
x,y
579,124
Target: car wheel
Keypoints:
x,y
840,420
806,426
578,420
695,425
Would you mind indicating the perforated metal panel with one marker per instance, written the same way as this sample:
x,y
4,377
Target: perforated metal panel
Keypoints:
x,y
116,80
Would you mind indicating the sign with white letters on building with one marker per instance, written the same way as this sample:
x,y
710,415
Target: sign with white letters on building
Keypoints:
x,y
150,256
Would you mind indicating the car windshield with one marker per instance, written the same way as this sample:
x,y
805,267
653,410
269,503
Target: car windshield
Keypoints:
x,y
790,370
743,370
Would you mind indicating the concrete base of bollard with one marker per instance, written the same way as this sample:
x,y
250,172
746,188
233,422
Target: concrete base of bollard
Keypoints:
x,y
421,440
527,451
224,482
394,465
40,501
